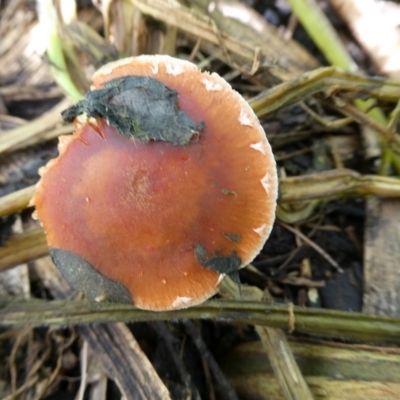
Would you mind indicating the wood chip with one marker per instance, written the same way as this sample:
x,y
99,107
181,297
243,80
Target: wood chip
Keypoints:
x,y
381,258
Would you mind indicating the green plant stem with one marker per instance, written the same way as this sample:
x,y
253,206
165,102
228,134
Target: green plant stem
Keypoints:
x,y
336,324
49,22
325,37
323,34
324,80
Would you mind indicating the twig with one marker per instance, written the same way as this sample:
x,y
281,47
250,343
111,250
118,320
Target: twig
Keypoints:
x,y
168,338
45,385
20,339
226,387
29,383
348,109
209,383
314,245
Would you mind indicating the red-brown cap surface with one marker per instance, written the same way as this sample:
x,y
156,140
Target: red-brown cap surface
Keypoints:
x,y
161,220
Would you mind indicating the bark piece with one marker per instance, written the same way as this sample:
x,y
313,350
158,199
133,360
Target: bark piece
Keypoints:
x,y
332,371
381,264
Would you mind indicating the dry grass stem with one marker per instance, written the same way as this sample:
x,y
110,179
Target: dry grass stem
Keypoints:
x,y
23,247
17,136
16,201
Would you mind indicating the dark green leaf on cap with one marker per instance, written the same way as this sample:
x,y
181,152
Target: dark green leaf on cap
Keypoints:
x,y
228,265
222,264
140,107
84,278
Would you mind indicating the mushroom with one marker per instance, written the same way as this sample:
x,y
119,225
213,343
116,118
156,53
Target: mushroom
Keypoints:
x,y
167,185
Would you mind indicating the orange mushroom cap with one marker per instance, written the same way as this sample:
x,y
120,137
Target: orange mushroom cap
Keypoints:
x,y
158,222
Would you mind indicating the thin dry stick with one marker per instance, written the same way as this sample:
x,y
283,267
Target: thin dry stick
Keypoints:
x,y
207,376
40,361
290,258
84,367
195,50
337,124
21,338
362,118
9,333
228,390
168,339
292,154
313,245
29,383
50,379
